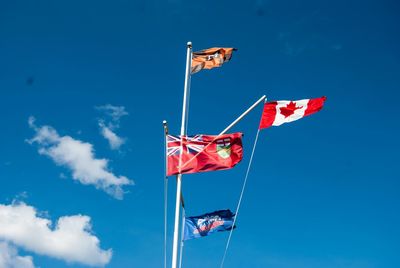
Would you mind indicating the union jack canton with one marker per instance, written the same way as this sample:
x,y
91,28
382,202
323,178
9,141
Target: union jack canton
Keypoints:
x,y
190,144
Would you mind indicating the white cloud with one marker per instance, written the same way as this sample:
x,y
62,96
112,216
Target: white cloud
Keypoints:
x,y
113,139
108,130
70,240
79,157
9,257
115,112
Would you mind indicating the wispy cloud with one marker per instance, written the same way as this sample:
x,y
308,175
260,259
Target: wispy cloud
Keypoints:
x,y
70,240
9,257
112,123
115,112
79,157
113,139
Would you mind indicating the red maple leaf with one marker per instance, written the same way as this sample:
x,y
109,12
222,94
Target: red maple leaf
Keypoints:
x,y
289,109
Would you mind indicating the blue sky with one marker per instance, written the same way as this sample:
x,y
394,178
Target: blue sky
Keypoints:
x,y
322,192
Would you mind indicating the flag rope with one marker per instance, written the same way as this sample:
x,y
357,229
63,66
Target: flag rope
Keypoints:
x,y
240,199
182,233
165,192
188,104
165,219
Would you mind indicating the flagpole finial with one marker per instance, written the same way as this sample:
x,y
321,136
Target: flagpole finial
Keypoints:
x,y
189,44
165,126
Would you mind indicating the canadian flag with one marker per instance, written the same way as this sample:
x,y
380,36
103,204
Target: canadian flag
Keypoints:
x,y
278,112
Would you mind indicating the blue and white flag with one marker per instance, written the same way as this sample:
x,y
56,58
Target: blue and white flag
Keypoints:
x,y
203,225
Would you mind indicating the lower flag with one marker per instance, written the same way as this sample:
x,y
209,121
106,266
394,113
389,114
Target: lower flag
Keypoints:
x,y
203,225
191,154
278,112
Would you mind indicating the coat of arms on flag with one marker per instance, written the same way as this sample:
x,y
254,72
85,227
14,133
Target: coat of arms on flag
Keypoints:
x,y
224,147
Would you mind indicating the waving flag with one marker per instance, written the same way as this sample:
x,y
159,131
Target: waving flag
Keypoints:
x,y
278,112
210,58
203,153
203,225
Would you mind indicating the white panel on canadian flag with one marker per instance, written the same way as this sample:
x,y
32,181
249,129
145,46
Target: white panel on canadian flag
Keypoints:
x,y
289,111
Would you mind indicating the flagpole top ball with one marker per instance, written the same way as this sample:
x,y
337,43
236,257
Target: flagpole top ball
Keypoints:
x,y
165,126
189,44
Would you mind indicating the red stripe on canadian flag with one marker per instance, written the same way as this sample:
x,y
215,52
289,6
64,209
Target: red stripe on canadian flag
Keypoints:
x,y
277,113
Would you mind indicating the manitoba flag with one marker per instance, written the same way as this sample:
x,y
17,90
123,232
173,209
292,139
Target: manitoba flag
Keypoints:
x,y
203,153
278,112
210,58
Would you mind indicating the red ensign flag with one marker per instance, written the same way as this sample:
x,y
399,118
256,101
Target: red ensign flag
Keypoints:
x,y
203,153
278,112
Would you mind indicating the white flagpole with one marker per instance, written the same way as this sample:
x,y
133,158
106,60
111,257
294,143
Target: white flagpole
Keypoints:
x,y
183,132
165,125
242,115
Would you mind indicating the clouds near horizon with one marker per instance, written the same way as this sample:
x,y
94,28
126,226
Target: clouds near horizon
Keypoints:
x,y
70,239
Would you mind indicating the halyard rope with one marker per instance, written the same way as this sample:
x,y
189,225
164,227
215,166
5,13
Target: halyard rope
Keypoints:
x,y
182,233
240,199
